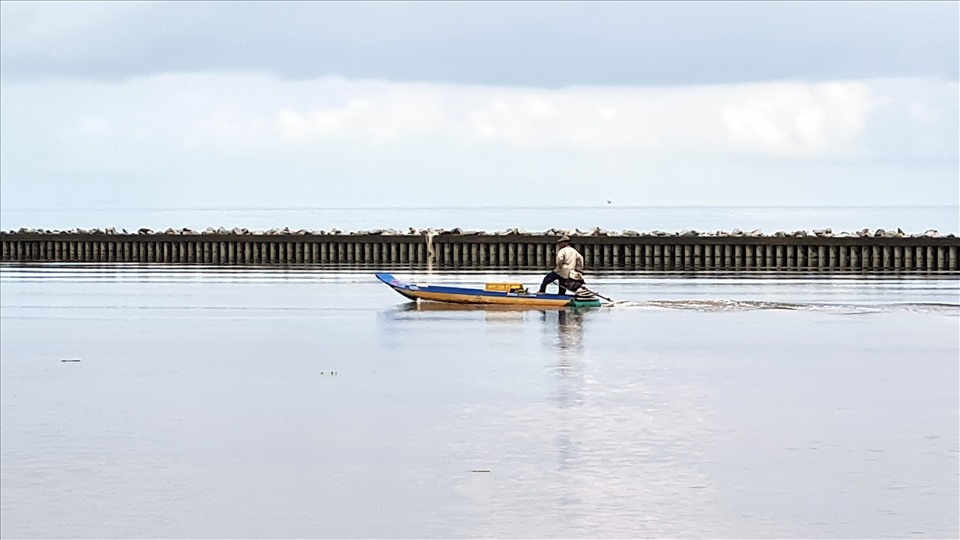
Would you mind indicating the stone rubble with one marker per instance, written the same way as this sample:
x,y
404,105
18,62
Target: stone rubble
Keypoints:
x,y
457,231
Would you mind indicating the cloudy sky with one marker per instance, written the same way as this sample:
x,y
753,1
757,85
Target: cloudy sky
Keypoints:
x,y
198,105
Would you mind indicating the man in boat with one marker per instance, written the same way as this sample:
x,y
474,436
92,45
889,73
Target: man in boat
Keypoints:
x,y
569,270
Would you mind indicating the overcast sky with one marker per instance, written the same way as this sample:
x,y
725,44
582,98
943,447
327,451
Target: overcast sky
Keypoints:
x,y
445,104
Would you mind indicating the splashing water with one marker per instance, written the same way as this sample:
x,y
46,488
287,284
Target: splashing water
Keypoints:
x,y
755,305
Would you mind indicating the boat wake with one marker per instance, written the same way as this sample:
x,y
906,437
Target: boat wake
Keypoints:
x,y
758,305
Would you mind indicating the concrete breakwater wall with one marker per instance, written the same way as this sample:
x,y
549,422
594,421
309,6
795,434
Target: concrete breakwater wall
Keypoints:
x,y
863,252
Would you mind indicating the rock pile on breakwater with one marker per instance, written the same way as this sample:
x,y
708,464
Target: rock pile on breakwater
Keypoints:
x,y
411,231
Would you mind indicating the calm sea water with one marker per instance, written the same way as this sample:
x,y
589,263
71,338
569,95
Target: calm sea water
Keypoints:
x,y
912,219
185,402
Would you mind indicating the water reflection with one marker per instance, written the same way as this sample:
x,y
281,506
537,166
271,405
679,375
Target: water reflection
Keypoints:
x,y
442,306
569,394
597,440
563,326
570,330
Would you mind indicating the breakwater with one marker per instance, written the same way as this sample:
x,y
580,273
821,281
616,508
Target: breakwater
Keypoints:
x,y
820,251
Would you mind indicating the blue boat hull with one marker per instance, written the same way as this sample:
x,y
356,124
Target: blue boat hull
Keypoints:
x,y
462,295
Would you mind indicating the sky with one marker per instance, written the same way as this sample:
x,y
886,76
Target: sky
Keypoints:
x,y
380,104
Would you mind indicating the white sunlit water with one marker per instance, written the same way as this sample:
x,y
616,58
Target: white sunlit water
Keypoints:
x,y
178,401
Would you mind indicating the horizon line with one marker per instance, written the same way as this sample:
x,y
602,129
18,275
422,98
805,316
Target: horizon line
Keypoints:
x,y
454,207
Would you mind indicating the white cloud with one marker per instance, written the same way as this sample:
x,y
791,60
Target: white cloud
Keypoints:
x,y
93,125
252,137
797,118
790,118
924,113
380,118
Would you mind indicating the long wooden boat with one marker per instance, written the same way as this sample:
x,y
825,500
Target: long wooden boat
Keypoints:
x,y
512,294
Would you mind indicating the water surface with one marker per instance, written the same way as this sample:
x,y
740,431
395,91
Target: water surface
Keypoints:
x,y
187,402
